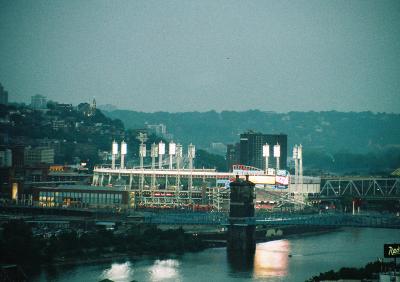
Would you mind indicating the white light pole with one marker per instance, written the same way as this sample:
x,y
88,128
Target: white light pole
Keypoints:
x,y
124,150
114,153
154,153
191,155
142,155
142,147
300,158
296,169
161,152
266,156
277,155
171,152
179,154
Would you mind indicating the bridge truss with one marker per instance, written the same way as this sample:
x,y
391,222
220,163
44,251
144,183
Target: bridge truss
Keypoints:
x,y
366,188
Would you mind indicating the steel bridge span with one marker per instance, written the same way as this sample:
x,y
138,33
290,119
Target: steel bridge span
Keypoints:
x,y
335,220
369,188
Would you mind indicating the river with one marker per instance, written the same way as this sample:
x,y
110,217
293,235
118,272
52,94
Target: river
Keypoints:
x,y
294,259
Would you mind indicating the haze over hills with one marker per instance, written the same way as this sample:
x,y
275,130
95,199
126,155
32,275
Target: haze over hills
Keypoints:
x,y
330,132
342,142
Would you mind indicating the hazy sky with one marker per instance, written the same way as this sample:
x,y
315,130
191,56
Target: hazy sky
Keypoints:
x,y
202,55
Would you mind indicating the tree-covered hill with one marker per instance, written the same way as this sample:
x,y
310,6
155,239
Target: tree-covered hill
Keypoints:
x,y
343,142
357,132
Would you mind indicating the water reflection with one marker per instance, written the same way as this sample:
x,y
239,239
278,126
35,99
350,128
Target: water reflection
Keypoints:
x,y
165,270
271,259
119,272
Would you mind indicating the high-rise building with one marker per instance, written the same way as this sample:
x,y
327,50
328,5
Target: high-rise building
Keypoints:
x,y
232,155
38,102
3,96
249,150
33,156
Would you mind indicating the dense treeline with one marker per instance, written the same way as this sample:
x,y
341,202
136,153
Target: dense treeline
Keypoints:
x,y
207,160
366,272
19,246
379,162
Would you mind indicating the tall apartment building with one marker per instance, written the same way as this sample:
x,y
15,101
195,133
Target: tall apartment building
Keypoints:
x,y
232,155
249,150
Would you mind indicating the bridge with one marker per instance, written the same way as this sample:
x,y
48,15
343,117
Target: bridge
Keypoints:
x,y
373,188
278,219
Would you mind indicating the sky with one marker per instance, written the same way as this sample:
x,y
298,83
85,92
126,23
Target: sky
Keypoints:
x,y
192,55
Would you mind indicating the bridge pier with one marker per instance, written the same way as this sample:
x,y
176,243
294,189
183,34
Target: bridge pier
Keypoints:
x,y
241,230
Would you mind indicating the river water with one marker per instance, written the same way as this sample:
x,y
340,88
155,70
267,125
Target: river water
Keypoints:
x,y
294,259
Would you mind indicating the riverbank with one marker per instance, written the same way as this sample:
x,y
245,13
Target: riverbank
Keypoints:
x,y
18,245
287,233
372,270
102,246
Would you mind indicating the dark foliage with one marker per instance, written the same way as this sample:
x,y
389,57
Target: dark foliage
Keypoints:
x,y
18,246
366,272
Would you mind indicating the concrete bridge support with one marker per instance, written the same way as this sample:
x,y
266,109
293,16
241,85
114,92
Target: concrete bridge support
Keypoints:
x,y
241,229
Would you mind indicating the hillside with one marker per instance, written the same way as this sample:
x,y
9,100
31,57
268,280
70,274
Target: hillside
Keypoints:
x,y
328,131
333,141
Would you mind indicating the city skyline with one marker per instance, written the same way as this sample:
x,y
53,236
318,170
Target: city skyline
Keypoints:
x,y
199,56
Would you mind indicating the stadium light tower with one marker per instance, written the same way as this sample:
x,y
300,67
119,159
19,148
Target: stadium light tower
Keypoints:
x,y
300,157
124,150
266,156
142,154
142,147
114,153
171,152
296,165
161,152
154,153
277,154
191,155
179,153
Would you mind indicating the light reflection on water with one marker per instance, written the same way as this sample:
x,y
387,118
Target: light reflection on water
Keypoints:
x,y
160,270
271,259
119,272
163,270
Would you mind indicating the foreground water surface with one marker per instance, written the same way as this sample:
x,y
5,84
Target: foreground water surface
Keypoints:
x,y
294,259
